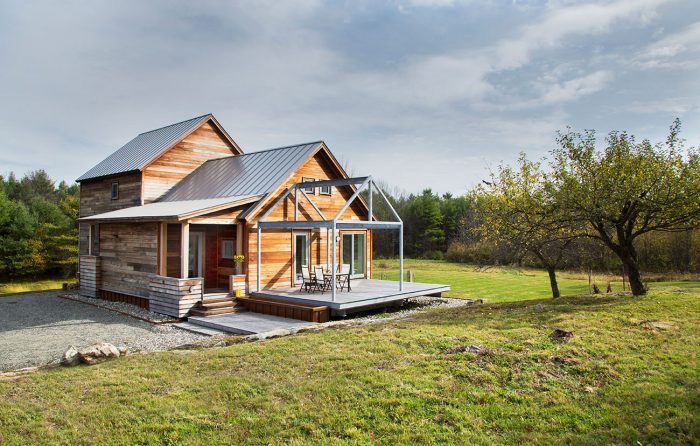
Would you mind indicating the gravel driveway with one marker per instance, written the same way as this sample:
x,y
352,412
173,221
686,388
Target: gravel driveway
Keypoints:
x,y
36,328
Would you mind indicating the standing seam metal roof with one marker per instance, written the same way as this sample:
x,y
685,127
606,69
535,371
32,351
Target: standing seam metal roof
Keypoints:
x,y
256,173
141,150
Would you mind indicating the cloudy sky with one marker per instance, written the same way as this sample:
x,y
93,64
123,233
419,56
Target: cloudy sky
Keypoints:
x,y
421,93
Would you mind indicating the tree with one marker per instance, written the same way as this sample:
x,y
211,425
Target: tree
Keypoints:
x,y
518,209
626,190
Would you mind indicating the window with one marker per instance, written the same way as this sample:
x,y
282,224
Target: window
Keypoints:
x,y
301,254
353,250
115,191
324,190
227,249
308,190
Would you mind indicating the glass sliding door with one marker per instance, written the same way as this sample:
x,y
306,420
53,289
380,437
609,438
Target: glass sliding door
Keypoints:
x,y
196,258
301,254
354,254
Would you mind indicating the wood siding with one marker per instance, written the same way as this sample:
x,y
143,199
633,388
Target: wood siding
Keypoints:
x,y
96,198
277,245
203,144
174,238
129,253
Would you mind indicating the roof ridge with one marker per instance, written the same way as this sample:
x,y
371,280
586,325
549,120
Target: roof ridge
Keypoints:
x,y
177,123
263,151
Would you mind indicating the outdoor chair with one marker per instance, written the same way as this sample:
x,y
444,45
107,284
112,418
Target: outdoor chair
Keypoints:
x,y
309,283
324,281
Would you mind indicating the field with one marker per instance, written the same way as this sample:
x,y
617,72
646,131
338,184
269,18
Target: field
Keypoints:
x,y
507,283
618,380
22,286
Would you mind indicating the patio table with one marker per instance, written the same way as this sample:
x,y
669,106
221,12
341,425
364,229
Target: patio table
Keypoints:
x,y
343,278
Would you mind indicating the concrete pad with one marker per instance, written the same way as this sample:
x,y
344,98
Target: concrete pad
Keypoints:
x,y
200,329
248,322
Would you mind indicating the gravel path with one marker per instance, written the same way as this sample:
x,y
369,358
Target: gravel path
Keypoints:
x,y
36,328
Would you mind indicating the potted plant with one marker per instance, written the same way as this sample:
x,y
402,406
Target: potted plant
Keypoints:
x,y
238,261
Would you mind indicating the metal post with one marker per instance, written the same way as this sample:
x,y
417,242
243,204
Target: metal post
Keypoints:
x,y
296,203
258,258
401,257
333,277
369,201
328,248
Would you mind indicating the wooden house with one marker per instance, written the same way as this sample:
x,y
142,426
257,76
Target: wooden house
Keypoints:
x,y
163,219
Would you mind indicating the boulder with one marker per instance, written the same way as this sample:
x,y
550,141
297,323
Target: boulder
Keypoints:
x,y
539,308
558,333
98,353
70,357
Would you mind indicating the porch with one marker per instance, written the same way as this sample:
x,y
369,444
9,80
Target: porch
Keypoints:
x,y
365,294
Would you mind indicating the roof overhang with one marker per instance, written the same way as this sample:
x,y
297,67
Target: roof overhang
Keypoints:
x,y
172,211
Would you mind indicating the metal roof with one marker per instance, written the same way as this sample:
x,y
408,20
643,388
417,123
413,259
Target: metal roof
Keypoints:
x,y
256,173
174,209
143,149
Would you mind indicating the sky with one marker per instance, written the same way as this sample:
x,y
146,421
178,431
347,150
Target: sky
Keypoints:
x,y
418,93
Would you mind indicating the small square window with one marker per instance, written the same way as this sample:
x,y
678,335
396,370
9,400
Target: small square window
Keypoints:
x,y
324,190
308,190
227,249
115,191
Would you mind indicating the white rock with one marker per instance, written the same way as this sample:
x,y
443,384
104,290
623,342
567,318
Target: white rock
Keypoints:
x,y
539,308
70,357
98,353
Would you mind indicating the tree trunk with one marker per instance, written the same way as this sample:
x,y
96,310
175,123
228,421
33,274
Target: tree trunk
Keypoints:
x,y
553,281
636,284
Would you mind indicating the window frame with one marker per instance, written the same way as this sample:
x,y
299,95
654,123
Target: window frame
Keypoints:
x,y
233,248
115,196
322,192
308,190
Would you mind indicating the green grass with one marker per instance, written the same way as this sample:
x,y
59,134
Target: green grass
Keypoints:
x,y
498,284
396,383
21,286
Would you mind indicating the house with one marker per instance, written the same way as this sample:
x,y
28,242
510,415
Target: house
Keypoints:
x,y
163,218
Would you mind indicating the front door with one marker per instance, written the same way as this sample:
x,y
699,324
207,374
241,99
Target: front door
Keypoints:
x,y
301,254
196,259
354,253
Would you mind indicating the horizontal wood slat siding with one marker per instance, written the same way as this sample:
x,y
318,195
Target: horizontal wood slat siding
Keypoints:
x,y
203,144
129,253
172,296
90,275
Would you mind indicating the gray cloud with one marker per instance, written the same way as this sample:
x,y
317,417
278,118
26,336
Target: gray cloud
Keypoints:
x,y
419,93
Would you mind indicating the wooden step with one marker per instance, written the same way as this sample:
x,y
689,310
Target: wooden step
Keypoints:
x,y
291,310
214,300
221,304
211,311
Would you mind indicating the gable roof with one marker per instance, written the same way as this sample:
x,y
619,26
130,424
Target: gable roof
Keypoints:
x,y
146,147
256,173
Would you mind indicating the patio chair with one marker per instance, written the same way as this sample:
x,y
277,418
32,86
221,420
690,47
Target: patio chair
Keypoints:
x,y
324,281
309,283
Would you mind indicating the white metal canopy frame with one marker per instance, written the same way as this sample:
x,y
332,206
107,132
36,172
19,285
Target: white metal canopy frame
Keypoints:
x,y
334,224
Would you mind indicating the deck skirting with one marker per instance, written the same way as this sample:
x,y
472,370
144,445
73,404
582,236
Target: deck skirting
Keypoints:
x,y
90,275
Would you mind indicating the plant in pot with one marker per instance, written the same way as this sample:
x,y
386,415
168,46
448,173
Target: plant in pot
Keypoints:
x,y
238,261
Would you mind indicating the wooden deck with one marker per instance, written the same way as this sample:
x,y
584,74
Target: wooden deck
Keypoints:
x,y
365,294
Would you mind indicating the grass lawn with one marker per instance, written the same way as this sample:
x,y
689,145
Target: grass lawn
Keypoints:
x,y
499,284
12,287
614,382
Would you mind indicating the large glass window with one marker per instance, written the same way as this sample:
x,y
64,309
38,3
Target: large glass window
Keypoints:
x,y
301,254
354,254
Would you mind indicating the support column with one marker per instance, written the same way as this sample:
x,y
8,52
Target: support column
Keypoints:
x,y
257,268
162,249
333,277
328,248
401,257
369,201
296,203
184,250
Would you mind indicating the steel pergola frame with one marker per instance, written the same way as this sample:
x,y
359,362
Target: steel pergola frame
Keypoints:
x,y
334,224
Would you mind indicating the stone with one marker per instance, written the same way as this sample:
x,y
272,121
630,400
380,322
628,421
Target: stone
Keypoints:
x,y
123,350
70,357
98,353
658,325
539,308
476,349
558,333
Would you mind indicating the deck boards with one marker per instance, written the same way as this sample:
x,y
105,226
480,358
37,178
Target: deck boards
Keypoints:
x,y
365,293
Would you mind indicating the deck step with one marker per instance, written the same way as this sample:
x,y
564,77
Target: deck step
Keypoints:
x,y
213,300
211,311
291,310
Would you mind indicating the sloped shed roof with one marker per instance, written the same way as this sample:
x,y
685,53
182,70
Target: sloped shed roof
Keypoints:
x,y
146,147
256,173
173,210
